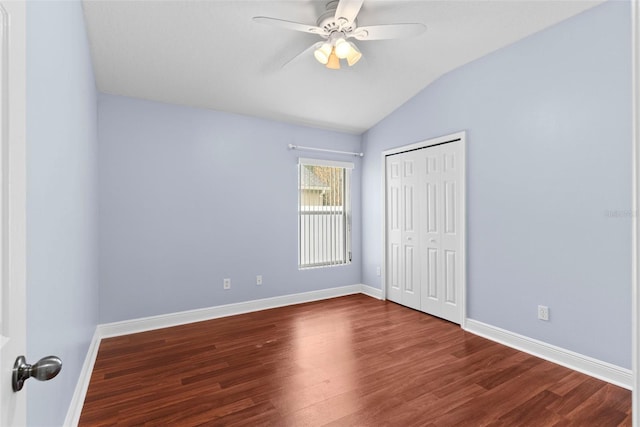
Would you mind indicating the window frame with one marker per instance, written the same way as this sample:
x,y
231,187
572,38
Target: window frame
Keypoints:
x,y
346,229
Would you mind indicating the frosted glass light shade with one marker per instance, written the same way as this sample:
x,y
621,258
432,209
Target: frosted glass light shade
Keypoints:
x,y
343,48
334,61
322,53
354,55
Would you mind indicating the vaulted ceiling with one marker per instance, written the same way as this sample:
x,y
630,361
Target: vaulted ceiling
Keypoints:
x,y
210,54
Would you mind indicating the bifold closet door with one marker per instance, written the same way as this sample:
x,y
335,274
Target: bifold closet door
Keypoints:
x,y
440,238
403,241
423,201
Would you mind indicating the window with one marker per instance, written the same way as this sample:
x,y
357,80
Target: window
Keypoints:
x,y
324,213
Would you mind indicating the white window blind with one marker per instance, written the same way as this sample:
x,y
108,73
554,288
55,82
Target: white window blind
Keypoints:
x,y
324,213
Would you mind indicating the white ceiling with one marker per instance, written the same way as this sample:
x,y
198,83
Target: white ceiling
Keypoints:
x,y
210,54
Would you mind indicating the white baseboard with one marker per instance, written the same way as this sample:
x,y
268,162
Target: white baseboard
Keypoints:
x,y
587,365
80,392
181,318
371,291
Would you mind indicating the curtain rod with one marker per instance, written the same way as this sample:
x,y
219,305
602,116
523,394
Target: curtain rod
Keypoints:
x,y
299,147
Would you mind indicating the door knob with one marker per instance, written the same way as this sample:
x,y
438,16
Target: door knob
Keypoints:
x,y
43,370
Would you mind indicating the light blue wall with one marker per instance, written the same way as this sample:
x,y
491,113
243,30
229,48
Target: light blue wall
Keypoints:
x,y
62,281
190,196
549,153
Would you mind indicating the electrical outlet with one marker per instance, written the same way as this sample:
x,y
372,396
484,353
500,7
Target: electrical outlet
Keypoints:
x,y
259,279
378,271
543,312
226,283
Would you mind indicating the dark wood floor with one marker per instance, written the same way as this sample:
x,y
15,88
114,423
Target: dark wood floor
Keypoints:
x,y
350,361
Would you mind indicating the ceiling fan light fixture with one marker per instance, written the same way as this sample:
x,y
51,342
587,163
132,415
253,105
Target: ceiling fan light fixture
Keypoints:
x,y
323,53
336,26
333,62
354,55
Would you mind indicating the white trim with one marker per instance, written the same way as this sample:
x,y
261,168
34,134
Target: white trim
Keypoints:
x,y
13,191
463,228
587,365
635,260
426,143
462,137
371,292
79,394
198,315
383,199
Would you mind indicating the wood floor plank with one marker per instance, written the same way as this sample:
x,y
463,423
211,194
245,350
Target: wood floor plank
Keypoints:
x,y
350,361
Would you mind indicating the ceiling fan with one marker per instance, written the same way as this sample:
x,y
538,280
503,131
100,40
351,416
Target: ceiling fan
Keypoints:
x,y
338,24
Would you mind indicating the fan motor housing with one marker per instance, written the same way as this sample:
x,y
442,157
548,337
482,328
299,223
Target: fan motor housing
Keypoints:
x,y
327,20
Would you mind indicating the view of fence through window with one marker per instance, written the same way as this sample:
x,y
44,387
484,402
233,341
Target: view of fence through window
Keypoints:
x,y
323,215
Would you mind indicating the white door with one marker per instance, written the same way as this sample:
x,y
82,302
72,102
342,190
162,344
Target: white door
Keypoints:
x,y
424,259
403,267
12,216
440,237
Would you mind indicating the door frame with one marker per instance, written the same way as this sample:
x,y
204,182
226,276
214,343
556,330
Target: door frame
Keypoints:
x,y
13,203
458,136
635,201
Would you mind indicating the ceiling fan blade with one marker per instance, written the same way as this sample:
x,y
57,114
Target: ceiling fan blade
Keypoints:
x,y
348,10
289,25
303,53
390,31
